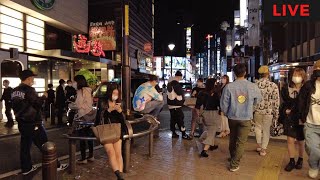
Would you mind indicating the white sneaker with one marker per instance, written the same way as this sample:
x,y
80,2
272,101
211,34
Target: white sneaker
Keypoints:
x,y
33,168
91,159
234,169
313,173
62,167
82,161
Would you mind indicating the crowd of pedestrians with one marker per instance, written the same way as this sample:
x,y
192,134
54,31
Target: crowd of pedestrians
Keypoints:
x,y
221,108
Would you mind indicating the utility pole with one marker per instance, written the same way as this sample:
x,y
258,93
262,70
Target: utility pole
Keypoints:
x,y
126,69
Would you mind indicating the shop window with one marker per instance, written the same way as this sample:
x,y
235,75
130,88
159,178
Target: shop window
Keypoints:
x,y
10,71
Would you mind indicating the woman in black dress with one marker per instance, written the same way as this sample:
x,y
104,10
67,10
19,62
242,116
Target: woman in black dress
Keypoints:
x,y
113,114
293,128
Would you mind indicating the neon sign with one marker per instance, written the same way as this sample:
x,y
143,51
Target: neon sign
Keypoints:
x,y
82,45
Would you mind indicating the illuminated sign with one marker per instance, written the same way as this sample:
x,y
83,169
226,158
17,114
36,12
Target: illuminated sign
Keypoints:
x,y
105,33
82,45
43,4
147,47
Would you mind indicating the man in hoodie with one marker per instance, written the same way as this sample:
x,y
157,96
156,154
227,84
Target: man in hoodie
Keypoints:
x,y
175,103
237,103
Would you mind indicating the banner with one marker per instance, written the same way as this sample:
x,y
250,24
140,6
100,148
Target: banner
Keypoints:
x,y
253,23
104,32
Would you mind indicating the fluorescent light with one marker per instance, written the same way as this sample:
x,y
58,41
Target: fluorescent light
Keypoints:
x,y
8,46
35,37
5,38
11,12
11,30
35,45
35,29
35,21
11,21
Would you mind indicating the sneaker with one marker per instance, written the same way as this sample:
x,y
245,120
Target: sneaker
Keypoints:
x,y
186,136
33,168
62,167
82,161
299,164
263,152
204,153
91,159
234,169
313,173
290,166
214,147
175,135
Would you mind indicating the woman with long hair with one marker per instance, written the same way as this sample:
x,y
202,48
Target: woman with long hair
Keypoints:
x,y
84,103
113,114
225,130
210,100
290,119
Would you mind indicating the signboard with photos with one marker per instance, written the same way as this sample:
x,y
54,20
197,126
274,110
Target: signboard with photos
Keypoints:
x,y
105,32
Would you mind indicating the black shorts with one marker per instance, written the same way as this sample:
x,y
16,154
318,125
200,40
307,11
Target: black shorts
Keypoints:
x,y
295,131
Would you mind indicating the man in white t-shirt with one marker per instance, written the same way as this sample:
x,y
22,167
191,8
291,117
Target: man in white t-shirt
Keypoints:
x,y
309,110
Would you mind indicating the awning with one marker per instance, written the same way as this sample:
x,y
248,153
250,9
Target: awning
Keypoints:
x,y
69,55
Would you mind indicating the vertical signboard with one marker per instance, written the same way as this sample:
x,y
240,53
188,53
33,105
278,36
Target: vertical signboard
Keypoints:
x,y
188,42
104,32
254,25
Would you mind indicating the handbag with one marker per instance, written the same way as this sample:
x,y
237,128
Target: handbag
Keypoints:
x,y
107,133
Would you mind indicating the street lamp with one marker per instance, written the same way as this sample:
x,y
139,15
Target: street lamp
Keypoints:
x,y
171,47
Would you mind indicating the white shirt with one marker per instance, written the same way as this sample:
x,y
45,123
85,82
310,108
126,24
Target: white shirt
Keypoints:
x,y
314,111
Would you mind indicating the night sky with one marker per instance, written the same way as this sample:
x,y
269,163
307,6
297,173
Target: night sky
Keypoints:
x,y
203,14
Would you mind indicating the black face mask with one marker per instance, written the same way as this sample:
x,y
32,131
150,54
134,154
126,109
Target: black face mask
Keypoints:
x,y
316,73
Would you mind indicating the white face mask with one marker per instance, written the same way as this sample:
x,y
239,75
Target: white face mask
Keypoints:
x,y
114,98
297,80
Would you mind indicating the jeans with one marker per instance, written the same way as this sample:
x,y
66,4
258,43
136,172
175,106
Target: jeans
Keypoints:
x,y
176,117
85,132
29,134
262,128
239,131
8,112
312,135
153,108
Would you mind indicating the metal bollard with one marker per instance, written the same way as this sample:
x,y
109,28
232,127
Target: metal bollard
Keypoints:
x,y
49,161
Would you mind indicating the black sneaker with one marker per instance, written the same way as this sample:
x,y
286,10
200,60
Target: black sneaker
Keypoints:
x,y
214,147
290,166
299,164
175,135
186,136
204,154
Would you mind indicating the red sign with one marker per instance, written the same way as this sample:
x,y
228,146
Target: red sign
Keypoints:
x,y
147,47
82,45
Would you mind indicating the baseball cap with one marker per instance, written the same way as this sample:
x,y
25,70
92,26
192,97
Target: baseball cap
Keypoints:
x,y
178,73
25,74
263,70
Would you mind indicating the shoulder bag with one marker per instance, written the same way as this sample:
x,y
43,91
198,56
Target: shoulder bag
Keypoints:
x,y
107,133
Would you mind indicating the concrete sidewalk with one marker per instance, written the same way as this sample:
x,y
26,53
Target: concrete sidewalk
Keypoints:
x,y
177,159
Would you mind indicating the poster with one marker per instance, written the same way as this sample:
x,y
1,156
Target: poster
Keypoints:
x,y
104,32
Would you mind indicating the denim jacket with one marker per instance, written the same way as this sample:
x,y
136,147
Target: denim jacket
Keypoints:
x,y
238,99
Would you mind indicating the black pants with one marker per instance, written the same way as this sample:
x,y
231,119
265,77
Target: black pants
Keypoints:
x,y
60,113
8,112
85,132
30,134
176,117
